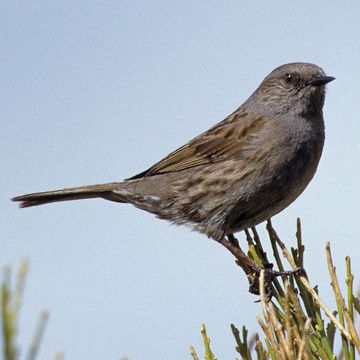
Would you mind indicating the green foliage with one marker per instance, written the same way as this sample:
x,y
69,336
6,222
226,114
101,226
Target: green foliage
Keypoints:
x,y
296,323
11,300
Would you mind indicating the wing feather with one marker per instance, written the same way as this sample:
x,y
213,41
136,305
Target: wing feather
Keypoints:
x,y
231,137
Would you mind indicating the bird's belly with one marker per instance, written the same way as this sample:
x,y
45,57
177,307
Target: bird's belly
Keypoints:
x,y
279,190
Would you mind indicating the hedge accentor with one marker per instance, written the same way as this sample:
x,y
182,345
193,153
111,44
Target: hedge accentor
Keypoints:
x,y
240,172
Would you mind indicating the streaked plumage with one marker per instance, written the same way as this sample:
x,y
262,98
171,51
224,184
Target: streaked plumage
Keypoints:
x,y
240,172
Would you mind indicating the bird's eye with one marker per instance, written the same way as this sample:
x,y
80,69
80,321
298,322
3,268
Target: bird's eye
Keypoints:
x,y
288,78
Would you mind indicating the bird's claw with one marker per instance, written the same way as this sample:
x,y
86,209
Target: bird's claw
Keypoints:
x,y
269,276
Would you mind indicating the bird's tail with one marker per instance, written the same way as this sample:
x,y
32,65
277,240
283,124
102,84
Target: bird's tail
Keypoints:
x,y
76,193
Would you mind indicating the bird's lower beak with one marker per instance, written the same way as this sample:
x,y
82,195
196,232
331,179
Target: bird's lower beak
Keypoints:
x,y
320,80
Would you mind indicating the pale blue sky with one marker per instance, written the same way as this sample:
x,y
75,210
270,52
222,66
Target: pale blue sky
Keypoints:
x,y
96,91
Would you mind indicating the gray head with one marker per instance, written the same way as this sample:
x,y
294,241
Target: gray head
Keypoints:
x,y
293,86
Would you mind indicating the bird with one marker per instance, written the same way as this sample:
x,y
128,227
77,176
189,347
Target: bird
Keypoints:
x,y
240,172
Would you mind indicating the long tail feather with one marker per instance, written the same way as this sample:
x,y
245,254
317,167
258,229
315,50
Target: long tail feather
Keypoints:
x,y
76,193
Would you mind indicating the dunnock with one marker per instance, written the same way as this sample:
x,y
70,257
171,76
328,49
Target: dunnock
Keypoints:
x,y
240,172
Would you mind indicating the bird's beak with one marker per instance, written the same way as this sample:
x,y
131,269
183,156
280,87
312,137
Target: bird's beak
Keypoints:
x,y
320,80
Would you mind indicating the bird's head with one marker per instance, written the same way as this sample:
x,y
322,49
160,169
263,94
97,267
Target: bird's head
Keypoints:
x,y
295,86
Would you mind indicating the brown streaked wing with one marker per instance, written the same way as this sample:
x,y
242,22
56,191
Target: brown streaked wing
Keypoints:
x,y
226,139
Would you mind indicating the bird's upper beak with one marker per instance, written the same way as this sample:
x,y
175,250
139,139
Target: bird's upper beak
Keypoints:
x,y
320,80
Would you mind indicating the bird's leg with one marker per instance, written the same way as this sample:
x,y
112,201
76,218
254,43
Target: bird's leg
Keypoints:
x,y
251,269
249,266
245,262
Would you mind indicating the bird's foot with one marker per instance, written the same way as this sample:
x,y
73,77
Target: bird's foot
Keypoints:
x,y
252,270
269,276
